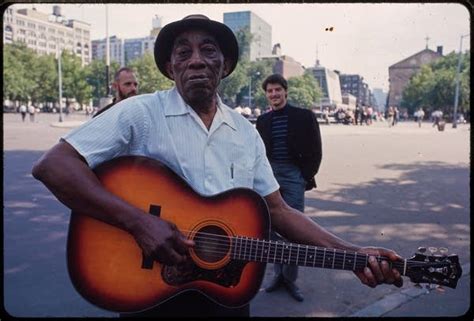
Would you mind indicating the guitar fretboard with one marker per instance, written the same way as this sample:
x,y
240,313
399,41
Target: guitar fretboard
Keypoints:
x,y
256,250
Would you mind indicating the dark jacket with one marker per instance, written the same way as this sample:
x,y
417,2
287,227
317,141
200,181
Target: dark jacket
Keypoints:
x,y
304,140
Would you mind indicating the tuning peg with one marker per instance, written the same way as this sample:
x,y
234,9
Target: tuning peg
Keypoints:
x,y
432,250
443,251
421,249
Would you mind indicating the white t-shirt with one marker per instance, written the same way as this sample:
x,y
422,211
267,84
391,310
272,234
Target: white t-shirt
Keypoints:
x,y
162,126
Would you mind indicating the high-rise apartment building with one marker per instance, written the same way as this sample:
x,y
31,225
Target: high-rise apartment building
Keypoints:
x,y
137,47
47,34
116,52
261,31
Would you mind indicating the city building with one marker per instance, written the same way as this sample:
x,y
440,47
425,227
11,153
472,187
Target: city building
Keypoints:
x,y
380,98
354,84
349,100
261,31
329,82
399,74
137,47
116,52
288,67
47,33
283,64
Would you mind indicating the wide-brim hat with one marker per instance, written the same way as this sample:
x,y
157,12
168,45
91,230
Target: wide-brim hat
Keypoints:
x,y
223,34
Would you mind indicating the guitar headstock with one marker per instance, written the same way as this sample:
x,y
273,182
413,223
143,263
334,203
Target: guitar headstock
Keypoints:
x,y
439,269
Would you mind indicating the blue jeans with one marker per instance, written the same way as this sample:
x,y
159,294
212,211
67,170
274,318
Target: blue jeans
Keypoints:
x,y
292,188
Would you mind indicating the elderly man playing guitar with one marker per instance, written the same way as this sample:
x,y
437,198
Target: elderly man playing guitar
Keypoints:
x,y
168,238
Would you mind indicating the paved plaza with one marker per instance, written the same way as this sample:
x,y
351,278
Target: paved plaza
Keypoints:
x,y
401,187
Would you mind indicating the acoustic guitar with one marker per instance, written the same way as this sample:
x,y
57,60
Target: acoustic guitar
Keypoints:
x,y
227,264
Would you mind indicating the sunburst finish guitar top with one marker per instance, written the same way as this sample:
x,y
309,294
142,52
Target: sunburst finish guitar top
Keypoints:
x,y
107,266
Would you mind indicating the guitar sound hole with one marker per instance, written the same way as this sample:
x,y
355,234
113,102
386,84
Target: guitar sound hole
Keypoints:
x,y
211,244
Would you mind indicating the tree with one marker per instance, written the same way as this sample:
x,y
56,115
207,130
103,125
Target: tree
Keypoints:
x,y
303,91
44,74
433,87
230,86
95,77
150,79
74,79
17,66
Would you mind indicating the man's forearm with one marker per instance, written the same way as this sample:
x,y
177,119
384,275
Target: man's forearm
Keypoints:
x,y
74,184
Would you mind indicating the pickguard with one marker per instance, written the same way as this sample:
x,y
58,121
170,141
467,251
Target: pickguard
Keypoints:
x,y
227,276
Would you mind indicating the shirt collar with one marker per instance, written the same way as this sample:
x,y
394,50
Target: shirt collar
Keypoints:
x,y
175,106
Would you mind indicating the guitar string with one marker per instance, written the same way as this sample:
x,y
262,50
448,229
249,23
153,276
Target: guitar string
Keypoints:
x,y
243,238
330,252
331,256
302,246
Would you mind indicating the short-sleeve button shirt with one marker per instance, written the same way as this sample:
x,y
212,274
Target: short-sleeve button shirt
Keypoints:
x,y
162,126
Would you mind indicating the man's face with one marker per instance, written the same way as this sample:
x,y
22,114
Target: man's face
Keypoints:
x,y
126,85
276,96
196,65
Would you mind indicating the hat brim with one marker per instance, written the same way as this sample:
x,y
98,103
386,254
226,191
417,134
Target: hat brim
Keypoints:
x,y
223,34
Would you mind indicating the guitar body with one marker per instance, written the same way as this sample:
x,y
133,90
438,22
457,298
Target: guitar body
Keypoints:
x,y
107,267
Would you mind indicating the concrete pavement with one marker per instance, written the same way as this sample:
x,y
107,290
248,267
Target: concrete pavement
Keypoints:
x,y
399,187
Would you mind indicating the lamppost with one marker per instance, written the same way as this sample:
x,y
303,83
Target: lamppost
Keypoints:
x,y
107,50
456,94
250,88
60,83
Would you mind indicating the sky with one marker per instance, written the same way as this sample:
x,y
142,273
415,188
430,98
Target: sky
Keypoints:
x,y
365,39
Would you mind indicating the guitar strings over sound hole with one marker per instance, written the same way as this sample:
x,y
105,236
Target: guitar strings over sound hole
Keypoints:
x,y
211,244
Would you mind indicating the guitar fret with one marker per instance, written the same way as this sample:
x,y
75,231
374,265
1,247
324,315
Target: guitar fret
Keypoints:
x,y
282,252
276,248
288,260
344,260
239,244
263,248
250,251
306,255
324,256
298,255
315,253
333,259
246,248
268,250
355,260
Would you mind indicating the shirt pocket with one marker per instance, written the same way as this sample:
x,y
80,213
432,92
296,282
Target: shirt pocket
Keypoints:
x,y
242,175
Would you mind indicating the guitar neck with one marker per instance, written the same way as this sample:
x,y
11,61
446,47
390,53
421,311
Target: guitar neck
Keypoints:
x,y
256,250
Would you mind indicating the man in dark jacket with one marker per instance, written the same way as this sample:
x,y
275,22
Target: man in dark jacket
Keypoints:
x,y
293,145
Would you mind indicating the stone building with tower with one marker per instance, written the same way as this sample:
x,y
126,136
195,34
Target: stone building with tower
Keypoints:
x,y
399,74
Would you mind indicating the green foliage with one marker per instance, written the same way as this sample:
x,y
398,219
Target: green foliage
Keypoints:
x,y
74,79
18,83
230,86
303,91
150,79
433,87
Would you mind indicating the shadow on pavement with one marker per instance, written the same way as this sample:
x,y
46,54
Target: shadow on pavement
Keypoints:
x,y
427,205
